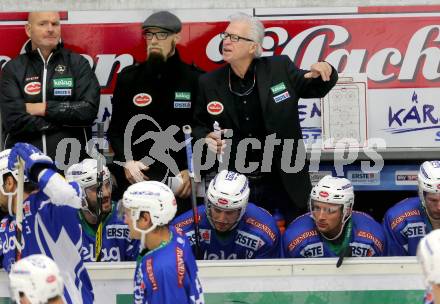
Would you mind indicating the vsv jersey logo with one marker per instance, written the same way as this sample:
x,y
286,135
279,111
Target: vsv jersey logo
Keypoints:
x,y
108,254
8,244
221,255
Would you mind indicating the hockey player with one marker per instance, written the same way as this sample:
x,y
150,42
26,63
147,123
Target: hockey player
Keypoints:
x,y
50,223
407,222
332,228
113,235
230,227
36,279
428,254
167,274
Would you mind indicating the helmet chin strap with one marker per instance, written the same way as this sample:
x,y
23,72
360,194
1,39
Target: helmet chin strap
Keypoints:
x,y
11,212
143,232
340,231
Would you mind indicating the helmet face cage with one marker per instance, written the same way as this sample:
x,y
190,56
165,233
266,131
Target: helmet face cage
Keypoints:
x,y
428,254
228,191
36,276
334,190
429,179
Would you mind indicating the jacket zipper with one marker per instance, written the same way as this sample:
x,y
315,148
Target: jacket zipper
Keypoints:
x,y
45,62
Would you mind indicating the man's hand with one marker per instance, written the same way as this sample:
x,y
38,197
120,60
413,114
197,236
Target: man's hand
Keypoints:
x,y
184,190
133,171
322,69
36,109
215,143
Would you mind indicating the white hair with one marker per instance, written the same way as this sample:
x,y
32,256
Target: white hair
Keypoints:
x,y
256,29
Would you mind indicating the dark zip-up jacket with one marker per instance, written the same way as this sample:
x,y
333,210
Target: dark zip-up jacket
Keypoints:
x,y
65,82
166,94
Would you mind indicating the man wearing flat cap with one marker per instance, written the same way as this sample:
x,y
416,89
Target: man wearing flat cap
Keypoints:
x,y
164,88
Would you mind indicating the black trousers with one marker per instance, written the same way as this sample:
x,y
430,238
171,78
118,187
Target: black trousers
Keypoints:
x,y
268,192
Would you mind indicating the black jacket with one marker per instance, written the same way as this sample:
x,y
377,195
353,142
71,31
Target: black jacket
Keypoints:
x,y
72,97
164,92
274,76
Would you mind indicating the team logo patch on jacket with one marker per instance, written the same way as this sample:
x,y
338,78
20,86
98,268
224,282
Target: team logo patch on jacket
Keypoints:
x,y
33,88
215,107
60,69
142,99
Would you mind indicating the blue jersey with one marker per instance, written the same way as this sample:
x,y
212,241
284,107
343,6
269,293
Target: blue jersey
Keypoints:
x,y
255,237
53,231
116,243
405,224
429,296
302,240
168,274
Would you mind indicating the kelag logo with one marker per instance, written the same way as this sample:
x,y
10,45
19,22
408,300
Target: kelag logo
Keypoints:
x,y
415,118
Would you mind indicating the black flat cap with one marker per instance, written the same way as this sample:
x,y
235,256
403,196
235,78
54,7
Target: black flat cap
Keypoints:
x,y
164,20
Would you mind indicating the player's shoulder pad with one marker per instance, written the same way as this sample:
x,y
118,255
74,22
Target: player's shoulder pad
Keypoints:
x,y
181,223
364,221
299,232
304,218
362,215
185,220
259,220
408,207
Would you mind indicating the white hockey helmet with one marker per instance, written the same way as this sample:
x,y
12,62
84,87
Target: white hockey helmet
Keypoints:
x,y
428,254
153,197
429,178
38,277
85,173
334,190
228,191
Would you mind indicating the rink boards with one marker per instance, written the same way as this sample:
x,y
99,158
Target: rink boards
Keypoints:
x,y
359,280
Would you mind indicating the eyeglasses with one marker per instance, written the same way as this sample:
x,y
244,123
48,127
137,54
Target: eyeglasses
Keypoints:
x,y
159,35
233,37
326,210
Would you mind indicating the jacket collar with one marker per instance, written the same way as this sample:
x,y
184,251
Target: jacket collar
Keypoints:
x,y
28,48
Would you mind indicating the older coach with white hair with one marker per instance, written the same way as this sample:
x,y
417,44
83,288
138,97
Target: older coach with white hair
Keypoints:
x,y
255,97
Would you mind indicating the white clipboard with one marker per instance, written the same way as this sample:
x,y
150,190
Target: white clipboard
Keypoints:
x,y
344,114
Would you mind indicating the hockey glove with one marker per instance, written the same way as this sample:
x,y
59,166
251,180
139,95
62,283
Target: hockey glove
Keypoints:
x,y
32,158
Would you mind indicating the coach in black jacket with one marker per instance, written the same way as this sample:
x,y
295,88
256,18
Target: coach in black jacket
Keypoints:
x,y
257,97
49,93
